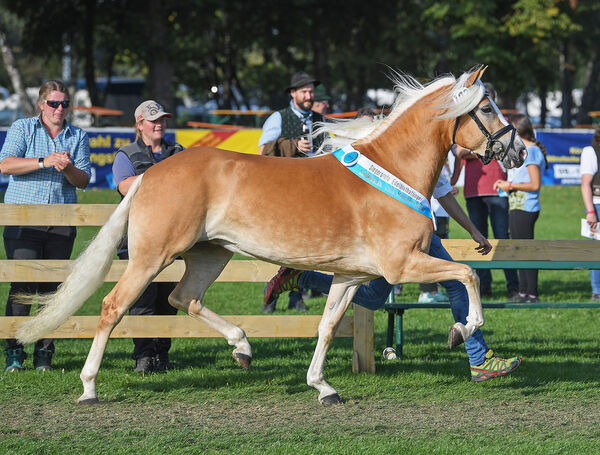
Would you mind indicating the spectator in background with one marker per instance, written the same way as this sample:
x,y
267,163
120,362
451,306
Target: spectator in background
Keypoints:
x,y
47,158
483,202
524,199
321,100
590,192
150,354
288,133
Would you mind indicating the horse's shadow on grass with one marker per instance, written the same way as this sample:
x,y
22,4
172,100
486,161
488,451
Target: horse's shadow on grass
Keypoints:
x,y
209,366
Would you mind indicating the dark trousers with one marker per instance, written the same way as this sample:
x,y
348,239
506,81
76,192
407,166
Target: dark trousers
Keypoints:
x,y
154,301
496,208
35,242
522,225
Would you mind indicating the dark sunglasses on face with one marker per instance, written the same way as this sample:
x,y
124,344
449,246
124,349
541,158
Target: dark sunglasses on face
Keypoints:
x,y
55,104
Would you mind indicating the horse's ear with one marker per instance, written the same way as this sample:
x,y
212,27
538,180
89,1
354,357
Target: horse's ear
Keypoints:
x,y
476,75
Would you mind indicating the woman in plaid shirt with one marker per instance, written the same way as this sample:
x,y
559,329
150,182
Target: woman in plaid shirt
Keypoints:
x,y
46,158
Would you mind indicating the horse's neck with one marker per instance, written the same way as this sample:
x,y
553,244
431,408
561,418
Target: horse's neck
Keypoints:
x,y
415,154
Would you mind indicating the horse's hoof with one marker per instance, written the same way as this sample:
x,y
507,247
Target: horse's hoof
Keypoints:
x,y
331,399
454,337
88,401
243,359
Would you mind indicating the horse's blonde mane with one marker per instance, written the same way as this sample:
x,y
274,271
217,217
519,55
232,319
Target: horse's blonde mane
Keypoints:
x,y
454,102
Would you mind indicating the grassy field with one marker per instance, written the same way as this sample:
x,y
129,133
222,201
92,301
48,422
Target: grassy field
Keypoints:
x,y
421,403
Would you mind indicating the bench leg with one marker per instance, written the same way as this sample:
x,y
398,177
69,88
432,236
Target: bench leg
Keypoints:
x,y
390,328
399,333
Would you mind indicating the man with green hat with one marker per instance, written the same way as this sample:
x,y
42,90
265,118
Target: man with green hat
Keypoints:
x,y
321,100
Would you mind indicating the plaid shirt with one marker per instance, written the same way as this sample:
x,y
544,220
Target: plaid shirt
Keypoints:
x,y
27,138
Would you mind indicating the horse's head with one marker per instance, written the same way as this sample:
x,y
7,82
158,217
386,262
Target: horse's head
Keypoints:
x,y
488,135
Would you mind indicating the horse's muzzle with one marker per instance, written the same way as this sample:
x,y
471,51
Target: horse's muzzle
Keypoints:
x,y
516,155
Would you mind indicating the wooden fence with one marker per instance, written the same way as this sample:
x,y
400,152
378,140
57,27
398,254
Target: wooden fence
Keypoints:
x,y
359,326
543,254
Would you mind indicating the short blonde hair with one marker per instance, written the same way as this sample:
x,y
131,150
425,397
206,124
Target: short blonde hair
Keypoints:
x,y
46,88
138,134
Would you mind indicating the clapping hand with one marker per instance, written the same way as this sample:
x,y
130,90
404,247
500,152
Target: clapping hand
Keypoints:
x,y
60,160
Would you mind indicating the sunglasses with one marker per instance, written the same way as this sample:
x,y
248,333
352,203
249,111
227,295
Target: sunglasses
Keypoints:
x,y
55,104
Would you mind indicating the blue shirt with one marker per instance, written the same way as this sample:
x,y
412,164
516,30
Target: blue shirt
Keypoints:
x,y
27,138
272,127
528,201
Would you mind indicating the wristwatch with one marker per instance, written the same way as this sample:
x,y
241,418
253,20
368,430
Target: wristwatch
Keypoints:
x,y
41,163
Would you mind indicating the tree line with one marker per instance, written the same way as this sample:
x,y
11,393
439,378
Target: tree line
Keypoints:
x,y
250,49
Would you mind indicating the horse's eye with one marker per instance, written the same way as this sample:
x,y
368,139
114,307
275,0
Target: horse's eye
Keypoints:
x,y
487,109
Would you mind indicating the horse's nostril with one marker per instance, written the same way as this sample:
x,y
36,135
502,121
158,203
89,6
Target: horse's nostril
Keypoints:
x,y
523,154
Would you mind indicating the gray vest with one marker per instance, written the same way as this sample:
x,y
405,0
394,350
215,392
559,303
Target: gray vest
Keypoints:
x,y
141,155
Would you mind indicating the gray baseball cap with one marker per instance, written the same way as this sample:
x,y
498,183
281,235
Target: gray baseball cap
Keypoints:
x,y
150,110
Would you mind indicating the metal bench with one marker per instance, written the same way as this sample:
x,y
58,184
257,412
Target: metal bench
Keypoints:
x,y
506,254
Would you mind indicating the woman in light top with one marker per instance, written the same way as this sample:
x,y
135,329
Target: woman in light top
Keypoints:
x,y
523,188
590,192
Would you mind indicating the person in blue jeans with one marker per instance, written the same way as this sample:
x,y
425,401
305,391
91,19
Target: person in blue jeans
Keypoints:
x,y
484,363
590,192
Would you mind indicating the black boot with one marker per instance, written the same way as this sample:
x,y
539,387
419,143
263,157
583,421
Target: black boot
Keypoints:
x,y
161,362
145,364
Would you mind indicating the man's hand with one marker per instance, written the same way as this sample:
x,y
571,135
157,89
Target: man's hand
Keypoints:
x,y
484,246
304,146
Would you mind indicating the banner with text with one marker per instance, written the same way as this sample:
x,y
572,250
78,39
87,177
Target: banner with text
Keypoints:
x,y
563,148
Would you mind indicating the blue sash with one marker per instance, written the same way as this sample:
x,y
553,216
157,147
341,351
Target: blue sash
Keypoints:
x,y
378,177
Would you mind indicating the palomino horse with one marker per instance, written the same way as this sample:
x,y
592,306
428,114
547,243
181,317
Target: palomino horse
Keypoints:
x,y
204,204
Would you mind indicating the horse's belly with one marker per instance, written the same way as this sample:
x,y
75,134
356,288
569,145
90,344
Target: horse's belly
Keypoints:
x,y
350,260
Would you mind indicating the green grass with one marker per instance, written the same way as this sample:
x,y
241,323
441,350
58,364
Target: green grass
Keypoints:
x,y
422,403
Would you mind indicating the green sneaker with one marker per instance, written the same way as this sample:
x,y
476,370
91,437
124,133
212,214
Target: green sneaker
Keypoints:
x,y
14,359
42,359
493,367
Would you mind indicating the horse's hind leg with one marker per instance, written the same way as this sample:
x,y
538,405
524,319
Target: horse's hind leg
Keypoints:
x,y
115,304
203,264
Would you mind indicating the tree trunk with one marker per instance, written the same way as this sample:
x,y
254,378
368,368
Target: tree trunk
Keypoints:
x,y
590,92
15,75
88,46
160,65
543,105
567,77
319,47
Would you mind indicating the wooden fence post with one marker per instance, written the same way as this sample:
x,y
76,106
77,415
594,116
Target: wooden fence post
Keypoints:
x,y
363,360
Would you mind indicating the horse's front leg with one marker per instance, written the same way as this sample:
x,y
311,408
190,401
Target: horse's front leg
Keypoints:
x,y
341,294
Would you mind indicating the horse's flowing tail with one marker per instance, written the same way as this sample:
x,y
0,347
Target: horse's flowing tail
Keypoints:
x,y
87,275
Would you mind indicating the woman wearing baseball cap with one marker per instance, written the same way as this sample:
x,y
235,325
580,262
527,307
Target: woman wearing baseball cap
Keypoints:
x,y
150,147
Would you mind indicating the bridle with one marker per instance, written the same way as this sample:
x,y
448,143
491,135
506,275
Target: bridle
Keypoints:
x,y
492,139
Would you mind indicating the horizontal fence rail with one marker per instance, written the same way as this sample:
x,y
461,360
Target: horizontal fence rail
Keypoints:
x,y
271,326
53,270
